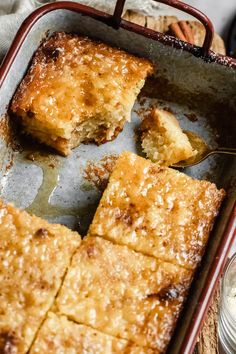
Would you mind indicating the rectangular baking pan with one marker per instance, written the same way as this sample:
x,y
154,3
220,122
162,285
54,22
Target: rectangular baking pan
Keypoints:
x,y
191,81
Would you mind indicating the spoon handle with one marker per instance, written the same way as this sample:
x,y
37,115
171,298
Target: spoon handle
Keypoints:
x,y
222,150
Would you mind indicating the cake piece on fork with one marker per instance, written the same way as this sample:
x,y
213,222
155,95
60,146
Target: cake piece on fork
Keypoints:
x,y
78,90
163,140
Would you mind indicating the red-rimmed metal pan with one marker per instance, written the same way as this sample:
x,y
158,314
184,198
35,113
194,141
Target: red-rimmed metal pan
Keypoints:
x,y
191,81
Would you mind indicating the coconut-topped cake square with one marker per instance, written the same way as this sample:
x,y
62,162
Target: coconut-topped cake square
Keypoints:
x,y
58,335
78,90
123,293
157,210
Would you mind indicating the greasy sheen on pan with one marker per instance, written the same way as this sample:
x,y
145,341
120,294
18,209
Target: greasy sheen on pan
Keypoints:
x,y
58,335
157,210
123,293
34,257
78,90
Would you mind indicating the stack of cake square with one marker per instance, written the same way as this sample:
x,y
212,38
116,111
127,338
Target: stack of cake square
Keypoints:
x,y
121,289
35,257
131,275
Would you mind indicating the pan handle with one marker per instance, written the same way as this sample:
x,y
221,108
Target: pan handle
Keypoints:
x,y
180,6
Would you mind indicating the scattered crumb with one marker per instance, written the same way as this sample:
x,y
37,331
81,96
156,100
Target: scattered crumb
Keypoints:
x,y
9,165
30,157
143,112
8,132
98,173
142,100
191,116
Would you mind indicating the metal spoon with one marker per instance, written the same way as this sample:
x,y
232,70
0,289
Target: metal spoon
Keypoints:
x,y
203,151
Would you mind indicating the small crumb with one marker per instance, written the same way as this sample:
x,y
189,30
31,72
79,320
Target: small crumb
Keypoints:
x,y
143,112
98,173
8,132
30,157
142,100
191,116
9,165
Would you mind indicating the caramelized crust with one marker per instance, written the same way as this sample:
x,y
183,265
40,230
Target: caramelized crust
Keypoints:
x,y
78,90
34,258
158,211
123,293
58,335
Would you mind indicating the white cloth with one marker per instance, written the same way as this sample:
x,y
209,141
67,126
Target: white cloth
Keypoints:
x,y
147,7
13,12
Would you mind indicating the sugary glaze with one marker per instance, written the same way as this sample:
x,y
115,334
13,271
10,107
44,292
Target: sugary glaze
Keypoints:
x,y
34,258
123,293
58,335
157,210
78,90
163,140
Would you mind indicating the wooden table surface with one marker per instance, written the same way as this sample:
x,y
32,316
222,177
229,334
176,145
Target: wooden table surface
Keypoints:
x,y
207,342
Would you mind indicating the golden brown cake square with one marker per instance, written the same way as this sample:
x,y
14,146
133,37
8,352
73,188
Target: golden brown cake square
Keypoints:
x,y
123,293
157,210
34,258
78,90
58,335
